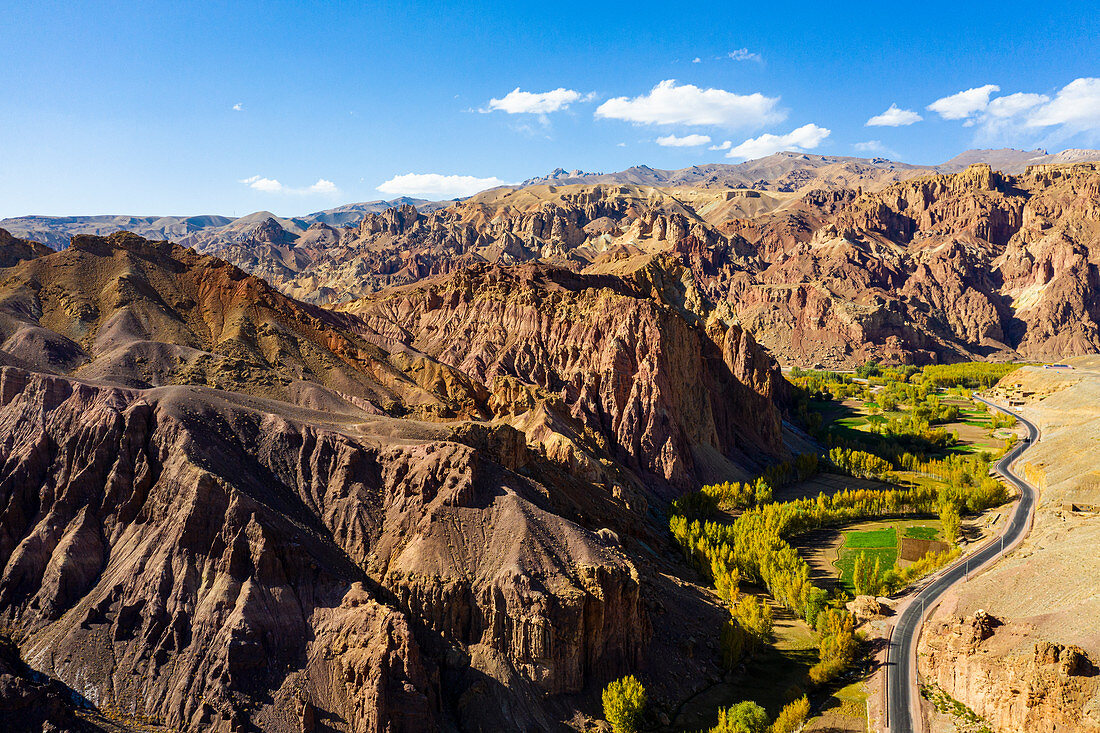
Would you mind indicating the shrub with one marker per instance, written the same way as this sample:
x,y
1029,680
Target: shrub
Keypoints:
x,y
826,671
744,717
792,716
624,701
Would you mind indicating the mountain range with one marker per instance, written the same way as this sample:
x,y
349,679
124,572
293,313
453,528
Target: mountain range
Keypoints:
x,y
56,231
409,470
782,172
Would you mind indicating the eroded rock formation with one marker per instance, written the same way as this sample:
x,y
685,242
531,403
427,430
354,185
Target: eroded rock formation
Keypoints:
x,y
221,508
931,268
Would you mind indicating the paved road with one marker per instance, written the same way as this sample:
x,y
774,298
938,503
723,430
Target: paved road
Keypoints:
x,y
901,684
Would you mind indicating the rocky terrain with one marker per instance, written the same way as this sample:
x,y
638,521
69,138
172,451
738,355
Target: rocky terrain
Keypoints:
x,y
390,468
223,509
942,267
826,261
1015,643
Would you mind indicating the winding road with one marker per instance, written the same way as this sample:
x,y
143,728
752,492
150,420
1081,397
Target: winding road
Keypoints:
x,y
902,697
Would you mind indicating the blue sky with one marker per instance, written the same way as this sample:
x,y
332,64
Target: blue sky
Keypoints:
x,y
228,108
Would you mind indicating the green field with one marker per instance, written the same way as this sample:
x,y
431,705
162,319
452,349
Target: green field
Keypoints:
x,y
886,556
879,542
885,537
922,533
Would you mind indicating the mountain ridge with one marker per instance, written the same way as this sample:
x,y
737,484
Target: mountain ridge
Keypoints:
x,y
783,172
55,231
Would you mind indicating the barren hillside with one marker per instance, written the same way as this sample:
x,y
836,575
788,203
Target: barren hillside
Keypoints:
x,y
220,507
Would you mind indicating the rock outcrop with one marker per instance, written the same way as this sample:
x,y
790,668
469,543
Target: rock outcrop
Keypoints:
x,y
611,360
1048,689
14,250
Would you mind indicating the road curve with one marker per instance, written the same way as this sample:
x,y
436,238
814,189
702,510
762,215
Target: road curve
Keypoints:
x,y
901,677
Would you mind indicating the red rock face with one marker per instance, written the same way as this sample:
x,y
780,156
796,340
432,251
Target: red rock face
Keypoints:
x,y
396,515
666,398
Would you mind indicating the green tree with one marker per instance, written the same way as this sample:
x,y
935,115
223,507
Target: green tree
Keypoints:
x,y
744,717
837,647
859,574
624,701
727,582
867,576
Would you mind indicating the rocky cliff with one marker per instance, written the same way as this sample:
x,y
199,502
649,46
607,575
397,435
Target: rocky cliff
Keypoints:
x,y
223,509
1048,688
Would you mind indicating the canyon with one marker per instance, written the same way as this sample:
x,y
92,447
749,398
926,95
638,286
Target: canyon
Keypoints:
x,y
404,468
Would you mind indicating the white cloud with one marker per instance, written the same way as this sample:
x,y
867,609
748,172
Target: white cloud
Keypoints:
x,y
686,104
806,137
238,107
323,186
271,185
262,184
743,54
964,104
697,60
520,102
687,141
1076,107
724,146
1026,117
870,146
437,184
1013,104
894,117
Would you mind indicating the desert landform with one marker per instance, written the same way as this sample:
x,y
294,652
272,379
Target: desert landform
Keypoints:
x,y
658,450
